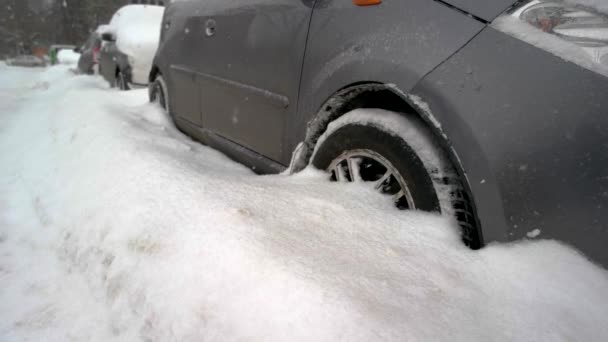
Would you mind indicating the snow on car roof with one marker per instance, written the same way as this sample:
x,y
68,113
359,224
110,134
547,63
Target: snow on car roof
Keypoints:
x,y
149,15
137,30
136,24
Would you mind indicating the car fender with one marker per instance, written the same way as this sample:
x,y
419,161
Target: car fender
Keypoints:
x,y
530,134
408,40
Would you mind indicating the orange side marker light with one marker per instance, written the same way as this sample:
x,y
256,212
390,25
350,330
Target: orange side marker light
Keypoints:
x,y
367,2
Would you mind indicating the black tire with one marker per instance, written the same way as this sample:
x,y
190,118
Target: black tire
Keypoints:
x,y
121,81
158,92
411,150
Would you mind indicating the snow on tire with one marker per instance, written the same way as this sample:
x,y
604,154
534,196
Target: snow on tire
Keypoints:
x,y
369,144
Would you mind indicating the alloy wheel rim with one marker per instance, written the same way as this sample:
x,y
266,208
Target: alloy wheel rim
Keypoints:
x,y
362,165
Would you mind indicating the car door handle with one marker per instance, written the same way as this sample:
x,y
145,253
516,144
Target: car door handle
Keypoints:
x,y
210,27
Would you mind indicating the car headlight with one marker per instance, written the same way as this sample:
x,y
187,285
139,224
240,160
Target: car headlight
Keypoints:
x,y
583,26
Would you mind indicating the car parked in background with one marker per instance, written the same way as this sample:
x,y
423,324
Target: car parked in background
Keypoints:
x,y
89,52
26,61
444,105
130,42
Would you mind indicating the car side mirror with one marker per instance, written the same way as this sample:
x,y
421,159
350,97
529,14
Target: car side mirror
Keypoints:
x,y
108,37
77,50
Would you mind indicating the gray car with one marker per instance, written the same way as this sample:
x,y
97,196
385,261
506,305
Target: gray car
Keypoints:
x,y
443,105
129,43
89,54
114,64
26,61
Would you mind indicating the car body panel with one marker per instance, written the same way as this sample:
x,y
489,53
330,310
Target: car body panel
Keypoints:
x,y
86,62
26,61
531,132
175,61
527,130
185,95
237,101
111,61
484,9
254,160
409,40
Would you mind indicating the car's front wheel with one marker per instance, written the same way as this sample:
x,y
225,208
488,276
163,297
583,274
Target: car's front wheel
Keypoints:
x,y
399,157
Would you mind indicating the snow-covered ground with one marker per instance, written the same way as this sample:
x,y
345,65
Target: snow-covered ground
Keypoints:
x,y
116,227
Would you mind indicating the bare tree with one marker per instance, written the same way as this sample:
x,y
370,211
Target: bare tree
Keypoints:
x,y
25,23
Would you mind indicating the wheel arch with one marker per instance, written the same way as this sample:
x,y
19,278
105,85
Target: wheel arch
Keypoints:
x,y
388,97
154,72
122,65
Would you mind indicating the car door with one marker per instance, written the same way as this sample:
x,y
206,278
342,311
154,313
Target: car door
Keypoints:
x,y
107,61
249,69
86,61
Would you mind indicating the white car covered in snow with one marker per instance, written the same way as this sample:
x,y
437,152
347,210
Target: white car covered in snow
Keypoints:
x,y
129,44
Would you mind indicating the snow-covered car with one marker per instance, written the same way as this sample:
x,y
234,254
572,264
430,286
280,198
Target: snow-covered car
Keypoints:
x,y
129,44
26,61
493,112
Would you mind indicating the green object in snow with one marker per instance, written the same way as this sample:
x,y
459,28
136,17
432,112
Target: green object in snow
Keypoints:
x,y
54,52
